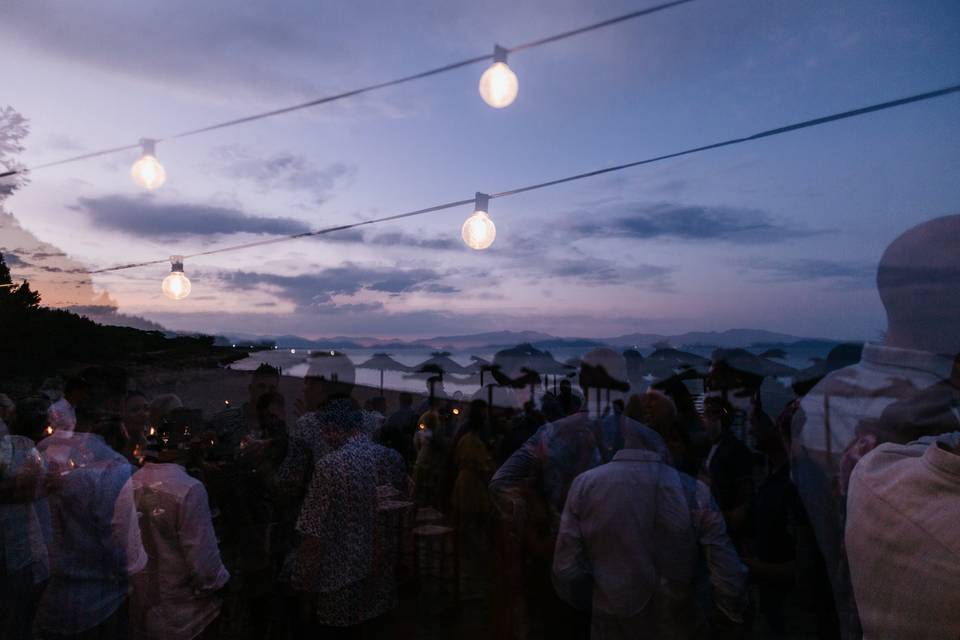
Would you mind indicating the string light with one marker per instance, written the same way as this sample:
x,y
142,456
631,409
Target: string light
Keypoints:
x,y
176,285
805,124
147,171
498,84
367,89
478,231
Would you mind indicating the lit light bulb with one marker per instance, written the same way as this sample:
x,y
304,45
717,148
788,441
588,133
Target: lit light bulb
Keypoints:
x,y
498,84
147,171
176,285
479,232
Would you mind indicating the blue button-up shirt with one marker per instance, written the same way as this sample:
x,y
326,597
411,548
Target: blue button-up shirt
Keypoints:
x,y
95,541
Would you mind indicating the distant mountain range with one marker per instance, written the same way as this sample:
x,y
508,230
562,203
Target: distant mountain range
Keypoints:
x,y
500,339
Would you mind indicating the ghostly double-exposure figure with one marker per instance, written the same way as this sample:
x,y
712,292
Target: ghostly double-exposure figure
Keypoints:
x,y
901,390
95,539
175,596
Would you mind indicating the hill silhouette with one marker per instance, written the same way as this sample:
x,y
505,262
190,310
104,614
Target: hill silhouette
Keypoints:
x,y
37,340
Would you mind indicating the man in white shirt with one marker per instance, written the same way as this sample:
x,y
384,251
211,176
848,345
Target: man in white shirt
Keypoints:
x,y
901,538
175,596
630,538
95,540
62,414
918,279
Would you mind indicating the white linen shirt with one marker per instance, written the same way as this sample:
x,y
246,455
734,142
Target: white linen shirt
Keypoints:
x,y
95,540
902,541
827,444
174,597
62,416
634,528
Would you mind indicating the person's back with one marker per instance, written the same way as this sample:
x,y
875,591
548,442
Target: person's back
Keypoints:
x,y
550,460
918,280
901,541
337,522
175,596
391,469
631,536
397,432
638,524
95,537
23,552
473,475
730,469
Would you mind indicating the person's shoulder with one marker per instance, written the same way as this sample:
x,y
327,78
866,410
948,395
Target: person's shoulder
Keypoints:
x,y
597,476
889,459
573,423
18,442
387,453
851,377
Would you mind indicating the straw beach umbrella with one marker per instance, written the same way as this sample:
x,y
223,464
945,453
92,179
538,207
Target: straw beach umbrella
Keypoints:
x,y
383,362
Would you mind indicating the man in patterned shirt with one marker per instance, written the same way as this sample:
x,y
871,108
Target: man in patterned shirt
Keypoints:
x,y
336,566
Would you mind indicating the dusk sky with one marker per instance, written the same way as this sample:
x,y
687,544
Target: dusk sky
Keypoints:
x,y
782,234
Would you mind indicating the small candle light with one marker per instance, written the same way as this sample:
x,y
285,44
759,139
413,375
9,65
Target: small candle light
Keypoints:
x,y
49,430
456,411
152,432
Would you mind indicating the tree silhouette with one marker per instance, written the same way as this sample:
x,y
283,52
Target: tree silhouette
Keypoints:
x,y
15,298
13,129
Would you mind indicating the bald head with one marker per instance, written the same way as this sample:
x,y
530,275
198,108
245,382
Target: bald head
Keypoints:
x,y
919,283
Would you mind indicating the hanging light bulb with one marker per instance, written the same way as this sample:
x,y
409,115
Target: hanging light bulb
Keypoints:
x,y
478,231
147,171
498,84
176,285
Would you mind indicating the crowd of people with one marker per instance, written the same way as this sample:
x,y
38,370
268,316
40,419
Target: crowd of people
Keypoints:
x,y
600,510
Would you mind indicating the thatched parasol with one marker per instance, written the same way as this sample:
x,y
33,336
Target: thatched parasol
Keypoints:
x,y
383,362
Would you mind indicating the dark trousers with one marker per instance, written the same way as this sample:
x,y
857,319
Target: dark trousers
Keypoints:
x,y
17,604
116,627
